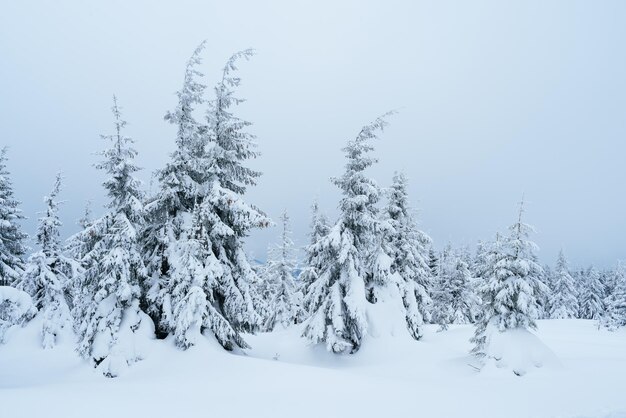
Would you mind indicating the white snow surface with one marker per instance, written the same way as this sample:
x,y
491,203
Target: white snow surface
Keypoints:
x,y
281,376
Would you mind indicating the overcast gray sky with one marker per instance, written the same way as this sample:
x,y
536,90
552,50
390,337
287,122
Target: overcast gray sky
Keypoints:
x,y
496,99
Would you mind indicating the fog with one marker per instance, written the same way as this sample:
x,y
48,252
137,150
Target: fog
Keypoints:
x,y
496,99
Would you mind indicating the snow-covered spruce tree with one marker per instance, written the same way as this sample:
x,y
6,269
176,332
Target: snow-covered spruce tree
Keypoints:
x,y
615,303
408,249
510,288
433,262
454,298
170,210
46,276
563,301
313,260
12,239
591,294
110,315
336,300
285,300
229,219
199,212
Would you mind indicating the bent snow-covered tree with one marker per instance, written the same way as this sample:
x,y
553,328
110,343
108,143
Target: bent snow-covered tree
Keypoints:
x,y
563,301
336,300
200,277
47,271
285,300
109,314
510,288
12,246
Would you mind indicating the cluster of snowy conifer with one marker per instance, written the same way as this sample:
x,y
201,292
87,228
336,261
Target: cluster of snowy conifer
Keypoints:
x,y
172,263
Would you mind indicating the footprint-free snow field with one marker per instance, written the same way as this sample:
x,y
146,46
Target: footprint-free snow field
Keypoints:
x,y
283,377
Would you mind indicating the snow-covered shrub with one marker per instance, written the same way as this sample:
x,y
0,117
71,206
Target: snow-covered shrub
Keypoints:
x,y
16,308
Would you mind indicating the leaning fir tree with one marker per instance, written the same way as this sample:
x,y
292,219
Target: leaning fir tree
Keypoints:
x,y
12,239
227,217
168,236
200,277
337,299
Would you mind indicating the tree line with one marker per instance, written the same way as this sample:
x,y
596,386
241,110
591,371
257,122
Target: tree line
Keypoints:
x,y
173,264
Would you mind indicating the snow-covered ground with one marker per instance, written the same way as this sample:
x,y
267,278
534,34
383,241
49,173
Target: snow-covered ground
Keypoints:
x,y
282,377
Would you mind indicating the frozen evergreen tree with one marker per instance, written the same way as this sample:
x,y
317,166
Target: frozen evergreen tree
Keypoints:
x,y
433,262
337,299
47,270
454,296
109,314
408,248
591,294
171,209
12,239
615,303
199,216
510,288
285,299
313,261
563,302
229,219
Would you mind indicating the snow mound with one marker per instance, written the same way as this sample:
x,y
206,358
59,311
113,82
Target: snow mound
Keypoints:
x,y
386,317
518,350
16,308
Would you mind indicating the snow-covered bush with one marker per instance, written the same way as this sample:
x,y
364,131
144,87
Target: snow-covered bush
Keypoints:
x,y
16,308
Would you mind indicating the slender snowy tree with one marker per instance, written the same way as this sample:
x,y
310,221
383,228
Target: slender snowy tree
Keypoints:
x,y
563,302
12,239
313,261
433,262
408,248
591,294
46,275
337,299
454,296
285,300
510,288
109,315
615,314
